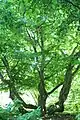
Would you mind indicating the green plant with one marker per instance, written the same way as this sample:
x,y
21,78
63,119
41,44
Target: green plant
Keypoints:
x,y
14,107
4,114
11,111
34,115
77,117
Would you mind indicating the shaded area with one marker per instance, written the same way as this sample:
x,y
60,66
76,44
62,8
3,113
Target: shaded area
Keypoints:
x,y
61,117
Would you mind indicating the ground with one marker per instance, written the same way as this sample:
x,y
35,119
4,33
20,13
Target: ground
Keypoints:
x,y
61,117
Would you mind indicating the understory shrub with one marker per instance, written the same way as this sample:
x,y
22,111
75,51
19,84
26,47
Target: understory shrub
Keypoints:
x,y
34,115
11,112
77,117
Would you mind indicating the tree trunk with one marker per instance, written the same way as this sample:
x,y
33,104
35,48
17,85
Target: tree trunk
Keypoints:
x,y
66,86
42,94
70,72
59,106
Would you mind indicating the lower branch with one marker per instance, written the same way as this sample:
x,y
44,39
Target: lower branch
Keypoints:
x,y
55,88
14,93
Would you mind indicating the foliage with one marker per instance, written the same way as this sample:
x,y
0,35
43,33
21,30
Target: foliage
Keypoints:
x,y
39,42
12,112
34,115
77,117
13,108
4,114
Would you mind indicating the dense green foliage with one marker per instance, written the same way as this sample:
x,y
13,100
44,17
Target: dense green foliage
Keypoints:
x,y
40,49
78,117
11,113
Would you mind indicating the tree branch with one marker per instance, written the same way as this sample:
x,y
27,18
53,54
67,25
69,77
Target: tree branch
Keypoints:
x,y
11,85
34,48
49,61
29,106
74,50
38,39
55,88
73,4
6,64
77,55
47,77
78,67
3,80
14,66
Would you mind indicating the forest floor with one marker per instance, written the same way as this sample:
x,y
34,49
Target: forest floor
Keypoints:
x,y
61,117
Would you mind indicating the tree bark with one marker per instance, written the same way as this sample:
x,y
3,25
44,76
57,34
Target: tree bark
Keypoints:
x,y
67,81
42,94
59,106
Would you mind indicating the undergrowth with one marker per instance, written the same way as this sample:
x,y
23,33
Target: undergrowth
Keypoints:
x,y
11,112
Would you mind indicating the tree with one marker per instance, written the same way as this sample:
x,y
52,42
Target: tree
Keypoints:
x,y
38,47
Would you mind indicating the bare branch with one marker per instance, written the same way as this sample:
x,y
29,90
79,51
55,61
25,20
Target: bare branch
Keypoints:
x,y
30,106
74,50
55,88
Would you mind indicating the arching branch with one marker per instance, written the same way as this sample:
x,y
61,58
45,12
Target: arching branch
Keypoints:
x,y
55,88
